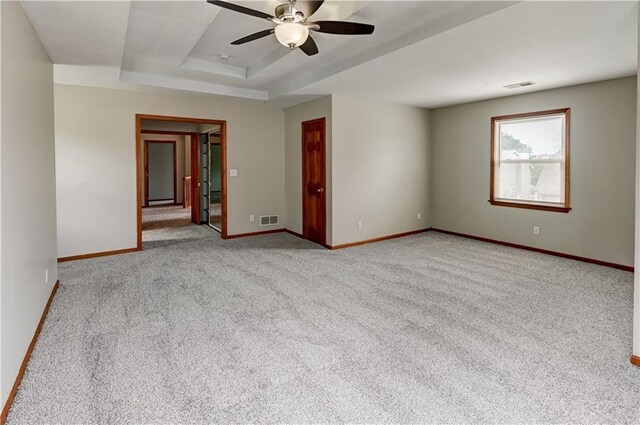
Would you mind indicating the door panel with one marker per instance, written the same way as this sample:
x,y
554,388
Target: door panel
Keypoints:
x,y
205,176
314,181
215,197
195,178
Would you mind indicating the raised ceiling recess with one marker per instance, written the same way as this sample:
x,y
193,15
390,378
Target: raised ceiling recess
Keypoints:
x,y
423,53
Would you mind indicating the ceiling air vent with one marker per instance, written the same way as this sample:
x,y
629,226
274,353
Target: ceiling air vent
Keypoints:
x,y
518,85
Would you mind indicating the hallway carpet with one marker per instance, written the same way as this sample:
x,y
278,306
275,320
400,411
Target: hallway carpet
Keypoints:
x,y
429,328
169,224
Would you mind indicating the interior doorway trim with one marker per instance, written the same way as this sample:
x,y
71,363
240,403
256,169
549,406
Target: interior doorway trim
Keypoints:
x,y
146,171
223,154
194,156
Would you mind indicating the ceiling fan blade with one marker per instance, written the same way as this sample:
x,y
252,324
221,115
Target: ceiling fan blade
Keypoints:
x,y
252,37
308,8
241,9
309,47
341,27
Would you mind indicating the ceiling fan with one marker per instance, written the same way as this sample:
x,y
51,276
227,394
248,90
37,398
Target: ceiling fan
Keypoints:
x,y
293,27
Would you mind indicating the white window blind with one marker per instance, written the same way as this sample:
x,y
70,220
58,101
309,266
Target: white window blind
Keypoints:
x,y
530,159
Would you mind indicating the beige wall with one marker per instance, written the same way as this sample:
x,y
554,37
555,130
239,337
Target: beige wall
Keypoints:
x,y
95,154
378,165
181,161
294,117
603,132
28,200
381,164
169,126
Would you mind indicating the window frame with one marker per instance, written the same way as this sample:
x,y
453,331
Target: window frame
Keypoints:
x,y
532,205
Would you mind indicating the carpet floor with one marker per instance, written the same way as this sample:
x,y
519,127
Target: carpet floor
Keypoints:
x,y
429,328
215,209
169,224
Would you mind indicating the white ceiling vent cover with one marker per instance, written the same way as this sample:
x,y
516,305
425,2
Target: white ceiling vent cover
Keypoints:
x,y
518,85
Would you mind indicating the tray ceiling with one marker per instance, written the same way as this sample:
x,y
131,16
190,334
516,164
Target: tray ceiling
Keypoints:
x,y
185,45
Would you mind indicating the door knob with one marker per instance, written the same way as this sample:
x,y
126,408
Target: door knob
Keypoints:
x,y
320,190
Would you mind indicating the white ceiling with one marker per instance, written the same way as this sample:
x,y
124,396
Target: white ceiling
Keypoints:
x,y
424,53
554,44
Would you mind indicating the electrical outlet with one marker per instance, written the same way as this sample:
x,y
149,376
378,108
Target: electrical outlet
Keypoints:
x,y
46,275
419,216
359,225
536,230
252,218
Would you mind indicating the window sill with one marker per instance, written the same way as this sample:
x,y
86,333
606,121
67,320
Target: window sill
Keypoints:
x,y
530,206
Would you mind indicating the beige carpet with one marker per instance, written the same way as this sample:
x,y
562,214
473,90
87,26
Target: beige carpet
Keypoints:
x,y
216,214
166,225
164,217
429,328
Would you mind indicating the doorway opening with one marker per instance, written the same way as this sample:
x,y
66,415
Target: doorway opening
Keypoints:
x,y
161,172
314,210
174,197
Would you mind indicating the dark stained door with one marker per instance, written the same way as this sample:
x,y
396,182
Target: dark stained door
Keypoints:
x,y
313,181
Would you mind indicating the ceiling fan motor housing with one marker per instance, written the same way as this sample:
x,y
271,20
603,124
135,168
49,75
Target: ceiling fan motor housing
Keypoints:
x,y
287,13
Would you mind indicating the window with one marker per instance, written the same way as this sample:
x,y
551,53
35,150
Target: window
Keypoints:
x,y
530,160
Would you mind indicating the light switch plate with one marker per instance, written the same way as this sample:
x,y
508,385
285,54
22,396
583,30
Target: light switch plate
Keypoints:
x,y
233,172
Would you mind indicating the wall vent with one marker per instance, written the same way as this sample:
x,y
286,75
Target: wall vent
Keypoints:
x,y
518,85
269,220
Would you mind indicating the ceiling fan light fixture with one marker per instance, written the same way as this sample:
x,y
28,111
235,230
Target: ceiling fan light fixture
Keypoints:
x,y
292,34
292,24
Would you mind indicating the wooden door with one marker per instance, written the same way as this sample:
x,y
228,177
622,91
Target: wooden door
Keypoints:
x,y
313,181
